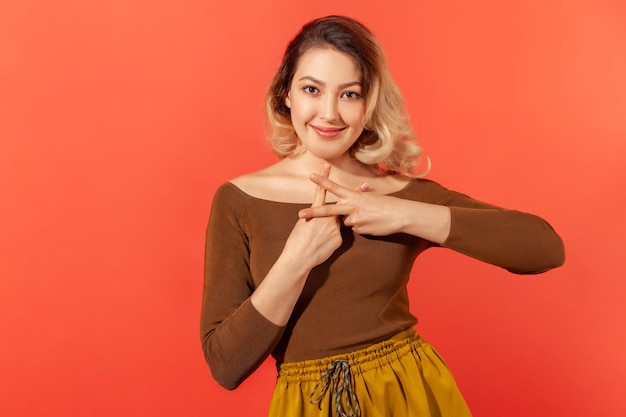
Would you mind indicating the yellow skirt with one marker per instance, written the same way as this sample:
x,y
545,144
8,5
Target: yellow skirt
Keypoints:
x,y
401,376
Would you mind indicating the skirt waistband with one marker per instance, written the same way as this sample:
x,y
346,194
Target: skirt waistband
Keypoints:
x,y
359,361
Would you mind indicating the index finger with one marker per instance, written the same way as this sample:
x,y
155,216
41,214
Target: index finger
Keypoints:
x,y
331,186
319,199
325,210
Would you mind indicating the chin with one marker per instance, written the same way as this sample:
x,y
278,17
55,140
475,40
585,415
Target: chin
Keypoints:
x,y
328,150
328,155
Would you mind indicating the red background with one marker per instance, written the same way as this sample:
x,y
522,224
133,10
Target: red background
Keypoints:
x,y
118,120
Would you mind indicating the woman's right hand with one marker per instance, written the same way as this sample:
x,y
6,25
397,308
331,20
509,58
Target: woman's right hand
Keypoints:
x,y
312,241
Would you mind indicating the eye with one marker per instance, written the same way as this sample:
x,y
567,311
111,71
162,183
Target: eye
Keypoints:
x,y
351,95
309,89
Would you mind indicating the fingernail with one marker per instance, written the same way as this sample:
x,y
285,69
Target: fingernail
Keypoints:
x,y
314,176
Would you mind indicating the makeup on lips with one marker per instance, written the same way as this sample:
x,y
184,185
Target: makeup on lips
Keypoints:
x,y
327,132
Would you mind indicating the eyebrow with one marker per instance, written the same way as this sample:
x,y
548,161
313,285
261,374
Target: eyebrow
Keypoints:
x,y
323,84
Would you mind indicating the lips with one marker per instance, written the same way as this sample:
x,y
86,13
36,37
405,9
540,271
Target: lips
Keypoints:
x,y
328,132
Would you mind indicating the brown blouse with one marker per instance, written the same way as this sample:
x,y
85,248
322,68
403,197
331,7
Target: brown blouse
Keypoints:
x,y
357,297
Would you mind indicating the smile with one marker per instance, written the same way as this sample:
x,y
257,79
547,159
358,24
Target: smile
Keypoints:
x,y
327,132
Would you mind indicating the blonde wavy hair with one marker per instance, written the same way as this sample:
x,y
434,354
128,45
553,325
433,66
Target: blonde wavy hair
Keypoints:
x,y
387,141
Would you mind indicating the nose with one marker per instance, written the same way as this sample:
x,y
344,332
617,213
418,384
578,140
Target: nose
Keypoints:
x,y
329,108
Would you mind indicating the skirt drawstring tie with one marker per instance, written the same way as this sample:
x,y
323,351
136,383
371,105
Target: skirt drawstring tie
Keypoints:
x,y
338,378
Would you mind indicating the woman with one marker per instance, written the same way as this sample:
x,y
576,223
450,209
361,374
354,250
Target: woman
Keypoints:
x,y
308,259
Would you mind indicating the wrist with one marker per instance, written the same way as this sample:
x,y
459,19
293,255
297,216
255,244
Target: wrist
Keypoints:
x,y
294,263
428,221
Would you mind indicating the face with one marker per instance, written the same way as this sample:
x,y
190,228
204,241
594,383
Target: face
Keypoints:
x,y
327,107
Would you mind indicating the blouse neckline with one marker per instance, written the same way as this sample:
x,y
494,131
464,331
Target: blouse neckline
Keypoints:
x,y
400,191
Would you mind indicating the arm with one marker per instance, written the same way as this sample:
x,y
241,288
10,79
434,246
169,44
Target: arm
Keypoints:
x,y
310,243
519,242
242,324
236,338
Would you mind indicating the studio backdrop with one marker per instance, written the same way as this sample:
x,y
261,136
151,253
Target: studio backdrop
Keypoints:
x,y
119,119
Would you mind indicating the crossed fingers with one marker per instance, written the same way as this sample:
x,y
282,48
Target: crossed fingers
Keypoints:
x,y
326,210
319,199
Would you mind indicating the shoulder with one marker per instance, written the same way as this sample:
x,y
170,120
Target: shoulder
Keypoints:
x,y
428,191
420,186
228,201
254,183
274,183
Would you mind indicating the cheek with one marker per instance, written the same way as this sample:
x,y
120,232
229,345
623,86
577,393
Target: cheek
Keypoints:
x,y
302,110
354,115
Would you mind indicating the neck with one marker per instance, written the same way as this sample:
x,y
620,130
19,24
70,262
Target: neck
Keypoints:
x,y
342,168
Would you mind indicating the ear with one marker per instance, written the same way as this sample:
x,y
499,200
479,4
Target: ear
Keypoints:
x,y
288,99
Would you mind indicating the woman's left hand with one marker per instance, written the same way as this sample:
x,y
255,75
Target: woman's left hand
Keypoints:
x,y
365,212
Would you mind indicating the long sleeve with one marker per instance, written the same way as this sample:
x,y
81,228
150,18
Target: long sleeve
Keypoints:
x,y
245,236
520,242
236,338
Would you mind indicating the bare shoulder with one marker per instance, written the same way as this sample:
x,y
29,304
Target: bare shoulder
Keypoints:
x,y
388,184
252,180
275,183
287,182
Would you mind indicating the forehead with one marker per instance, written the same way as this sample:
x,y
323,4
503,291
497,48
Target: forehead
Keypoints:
x,y
327,64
